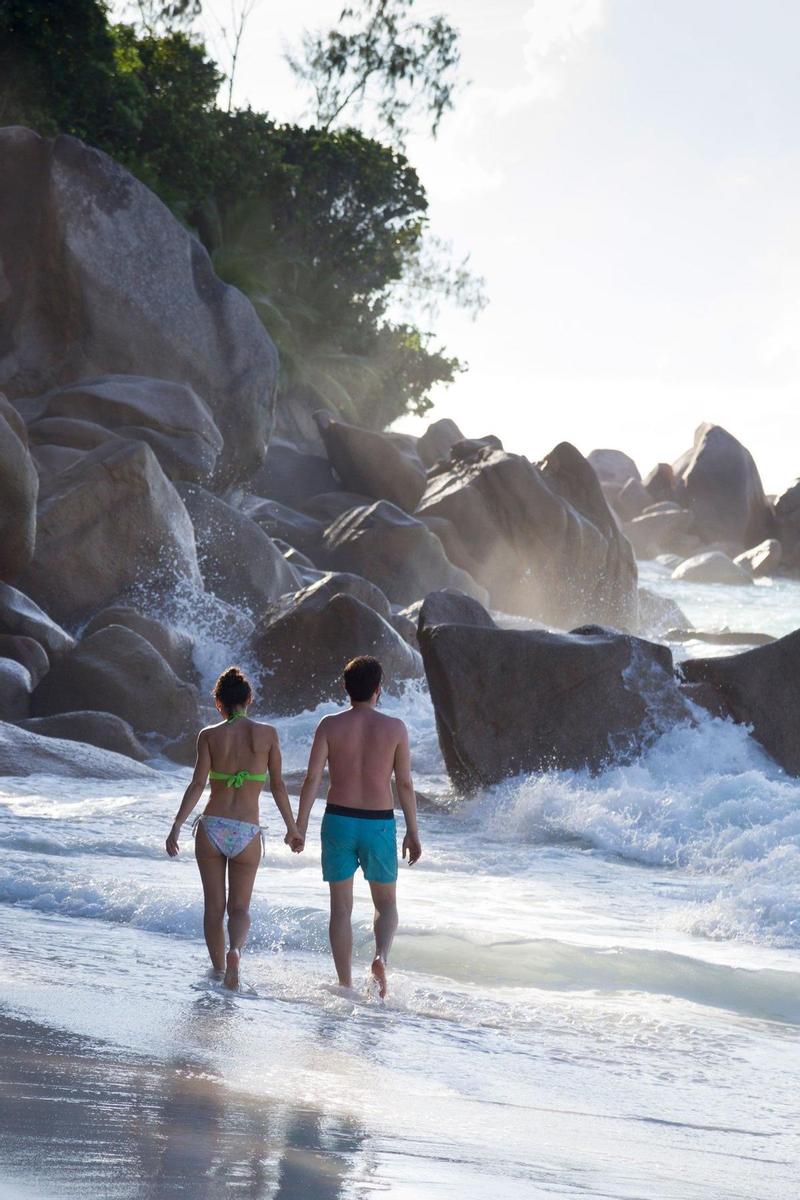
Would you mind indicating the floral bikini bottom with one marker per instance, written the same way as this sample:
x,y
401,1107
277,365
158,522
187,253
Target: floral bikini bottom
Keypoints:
x,y
230,837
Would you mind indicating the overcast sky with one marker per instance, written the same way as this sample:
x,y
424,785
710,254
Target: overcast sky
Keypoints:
x,y
625,175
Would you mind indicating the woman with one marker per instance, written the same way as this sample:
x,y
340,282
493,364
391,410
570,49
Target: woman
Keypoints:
x,y
236,756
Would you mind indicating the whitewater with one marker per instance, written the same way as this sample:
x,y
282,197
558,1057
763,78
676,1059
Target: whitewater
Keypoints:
x,y
595,986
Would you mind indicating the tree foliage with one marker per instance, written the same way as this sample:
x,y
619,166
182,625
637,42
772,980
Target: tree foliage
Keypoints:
x,y
378,54
320,227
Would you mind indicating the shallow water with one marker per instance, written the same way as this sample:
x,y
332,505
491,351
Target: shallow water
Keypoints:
x,y
596,988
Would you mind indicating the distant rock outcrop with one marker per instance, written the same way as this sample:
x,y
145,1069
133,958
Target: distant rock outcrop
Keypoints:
x,y
396,551
103,280
712,567
23,752
541,539
96,728
383,466
719,481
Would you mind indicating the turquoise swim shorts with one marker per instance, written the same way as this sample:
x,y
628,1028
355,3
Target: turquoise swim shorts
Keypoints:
x,y
358,841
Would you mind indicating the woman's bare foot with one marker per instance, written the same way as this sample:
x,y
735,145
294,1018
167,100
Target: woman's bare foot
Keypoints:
x,y
231,979
378,969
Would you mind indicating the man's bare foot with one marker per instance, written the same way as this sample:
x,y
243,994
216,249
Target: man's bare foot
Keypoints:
x,y
231,979
378,969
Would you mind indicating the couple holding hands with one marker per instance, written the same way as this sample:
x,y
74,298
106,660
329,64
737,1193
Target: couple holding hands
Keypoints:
x,y
362,749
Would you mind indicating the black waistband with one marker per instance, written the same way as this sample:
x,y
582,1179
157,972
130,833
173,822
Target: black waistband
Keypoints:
x,y
371,814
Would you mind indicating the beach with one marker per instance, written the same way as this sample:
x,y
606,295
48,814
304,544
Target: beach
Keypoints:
x,y
595,990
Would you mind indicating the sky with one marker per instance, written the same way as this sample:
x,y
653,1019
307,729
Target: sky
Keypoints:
x,y
625,174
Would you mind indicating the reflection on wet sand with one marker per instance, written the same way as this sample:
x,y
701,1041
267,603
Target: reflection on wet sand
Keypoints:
x,y
83,1119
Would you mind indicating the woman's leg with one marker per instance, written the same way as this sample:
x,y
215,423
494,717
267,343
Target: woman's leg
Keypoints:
x,y
241,877
212,872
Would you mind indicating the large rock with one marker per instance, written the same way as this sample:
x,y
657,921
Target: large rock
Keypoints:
x,y
27,651
25,753
292,476
437,441
116,670
304,650
176,424
239,562
19,487
101,279
512,701
20,615
787,522
654,533
395,551
660,483
613,466
174,646
329,505
383,466
541,539
281,522
97,728
110,521
659,615
631,500
16,686
719,481
713,567
451,607
759,688
761,560
330,584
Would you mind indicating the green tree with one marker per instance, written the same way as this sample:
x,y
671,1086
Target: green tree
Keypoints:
x,y
378,54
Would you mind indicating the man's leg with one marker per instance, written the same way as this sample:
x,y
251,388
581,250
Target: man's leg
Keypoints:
x,y
384,897
340,929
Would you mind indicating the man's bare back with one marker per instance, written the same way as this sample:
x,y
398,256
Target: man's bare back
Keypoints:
x,y
362,749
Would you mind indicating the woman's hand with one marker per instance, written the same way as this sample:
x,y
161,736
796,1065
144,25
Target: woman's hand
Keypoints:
x,y
172,841
294,839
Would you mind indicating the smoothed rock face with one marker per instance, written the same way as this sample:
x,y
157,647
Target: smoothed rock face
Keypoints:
x,y
292,476
279,521
19,487
658,614
25,753
761,560
330,584
173,646
787,522
382,466
658,532
451,607
395,551
27,651
541,539
109,521
239,562
116,670
437,441
719,481
512,701
96,728
758,688
103,280
714,567
16,686
304,651
20,615
613,466
176,424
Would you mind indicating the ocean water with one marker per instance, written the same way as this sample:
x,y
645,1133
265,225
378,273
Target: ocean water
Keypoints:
x,y
595,986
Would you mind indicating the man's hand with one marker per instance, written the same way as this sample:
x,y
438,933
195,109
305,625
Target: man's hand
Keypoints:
x,y
413,847
172,842
295,841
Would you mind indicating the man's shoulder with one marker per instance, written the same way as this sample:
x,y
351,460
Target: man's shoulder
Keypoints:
x,y
394,723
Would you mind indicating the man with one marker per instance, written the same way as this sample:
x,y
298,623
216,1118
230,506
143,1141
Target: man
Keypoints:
x,y
362,748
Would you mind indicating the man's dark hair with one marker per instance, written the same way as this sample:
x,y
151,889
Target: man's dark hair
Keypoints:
x,y
362,677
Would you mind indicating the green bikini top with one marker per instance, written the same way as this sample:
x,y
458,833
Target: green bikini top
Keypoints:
x,y
239,777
